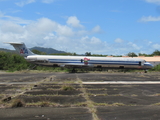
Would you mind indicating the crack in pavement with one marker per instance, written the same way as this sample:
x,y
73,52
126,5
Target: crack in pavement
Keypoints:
x,y
90,104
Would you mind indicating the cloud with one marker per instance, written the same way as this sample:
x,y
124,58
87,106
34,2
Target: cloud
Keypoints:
x,y
118,40
45,32
96,29
48,33
24,2
1,14
149,19
153,1
16,20
156,46
74,22
134,46
47,1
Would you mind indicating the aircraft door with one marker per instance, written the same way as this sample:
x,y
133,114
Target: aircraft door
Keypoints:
x,y
141,63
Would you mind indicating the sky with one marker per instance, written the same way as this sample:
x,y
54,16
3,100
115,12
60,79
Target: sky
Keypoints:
x,y
108,27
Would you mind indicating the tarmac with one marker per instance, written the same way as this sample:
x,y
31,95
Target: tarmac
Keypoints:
x,y
80,96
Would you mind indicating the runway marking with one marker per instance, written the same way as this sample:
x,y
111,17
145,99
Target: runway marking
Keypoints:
x,y
123,82
17,83
85,83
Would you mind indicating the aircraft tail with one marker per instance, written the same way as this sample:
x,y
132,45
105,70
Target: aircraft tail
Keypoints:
x,y
21,49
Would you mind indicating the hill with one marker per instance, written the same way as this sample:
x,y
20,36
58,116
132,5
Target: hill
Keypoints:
x,y
6,50
41,49
47,50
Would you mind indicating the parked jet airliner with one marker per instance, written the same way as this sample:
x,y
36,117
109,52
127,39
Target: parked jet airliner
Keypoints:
x,y
81,61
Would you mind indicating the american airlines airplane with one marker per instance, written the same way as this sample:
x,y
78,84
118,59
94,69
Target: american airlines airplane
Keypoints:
x,y
81,61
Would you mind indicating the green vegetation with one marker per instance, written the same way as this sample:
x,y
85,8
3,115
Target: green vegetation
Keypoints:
x,y
106,104
131,54
12,62
156,68
67,88
38,52
18,103
156,104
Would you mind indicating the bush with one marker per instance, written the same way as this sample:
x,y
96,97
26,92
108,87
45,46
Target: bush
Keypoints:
x,y
156,68
12,62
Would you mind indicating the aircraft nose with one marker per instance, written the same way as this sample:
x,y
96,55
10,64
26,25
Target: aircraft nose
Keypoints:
x,y
148,65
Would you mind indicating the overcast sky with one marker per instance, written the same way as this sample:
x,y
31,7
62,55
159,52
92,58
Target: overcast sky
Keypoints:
x,y
111,27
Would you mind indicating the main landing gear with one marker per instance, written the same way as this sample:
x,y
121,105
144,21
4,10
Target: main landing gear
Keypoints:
x,y
145,71
73,70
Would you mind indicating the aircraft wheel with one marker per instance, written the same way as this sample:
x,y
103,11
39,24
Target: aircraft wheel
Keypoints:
x,y
145,71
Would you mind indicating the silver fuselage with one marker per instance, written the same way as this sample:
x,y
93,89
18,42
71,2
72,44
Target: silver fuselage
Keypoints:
x,y
87,61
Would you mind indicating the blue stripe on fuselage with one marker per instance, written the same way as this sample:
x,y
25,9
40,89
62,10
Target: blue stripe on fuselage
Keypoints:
x,y
94,61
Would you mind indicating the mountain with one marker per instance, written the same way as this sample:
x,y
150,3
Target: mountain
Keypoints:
x,y
47,50
41,49
7,50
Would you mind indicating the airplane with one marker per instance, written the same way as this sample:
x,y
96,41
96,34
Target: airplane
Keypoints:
x,y
81,61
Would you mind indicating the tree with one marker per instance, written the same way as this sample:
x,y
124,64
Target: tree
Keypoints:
x,y
156,52
88,54
74,54
12,62
38,52
131,54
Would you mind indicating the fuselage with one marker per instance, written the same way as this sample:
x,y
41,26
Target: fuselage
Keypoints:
x,y
80,61
89,61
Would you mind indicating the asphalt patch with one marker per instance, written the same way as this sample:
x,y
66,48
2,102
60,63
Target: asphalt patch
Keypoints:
x,y
45,98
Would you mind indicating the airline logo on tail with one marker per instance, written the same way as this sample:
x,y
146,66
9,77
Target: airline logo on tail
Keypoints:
x,y
23,51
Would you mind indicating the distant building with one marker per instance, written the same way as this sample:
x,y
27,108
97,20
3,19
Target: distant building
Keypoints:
x,y
155,60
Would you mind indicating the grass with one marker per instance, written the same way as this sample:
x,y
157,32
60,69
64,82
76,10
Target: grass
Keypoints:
x,y
97,89
39,95
90,94
134,95
101,104
157,94
81,104
67,88
44,103
117,104
90,104
156,104
17,103
106,104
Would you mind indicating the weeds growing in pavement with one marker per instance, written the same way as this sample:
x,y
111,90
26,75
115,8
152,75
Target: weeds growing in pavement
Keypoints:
x,y
156,104
67,88
18,103
44,103
106,104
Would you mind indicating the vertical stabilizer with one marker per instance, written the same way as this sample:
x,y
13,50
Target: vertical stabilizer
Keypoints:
x,y
21,49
